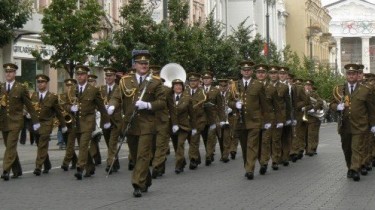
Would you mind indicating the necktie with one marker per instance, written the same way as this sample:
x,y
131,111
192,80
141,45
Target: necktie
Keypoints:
x,y
140,81
80,91
351,89
246,85
8,88
109,91
192,92
223,94
41,98
206,90
177,98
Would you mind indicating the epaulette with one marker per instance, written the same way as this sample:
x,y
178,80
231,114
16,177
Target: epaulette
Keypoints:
x,y
126,76
365,85
156,77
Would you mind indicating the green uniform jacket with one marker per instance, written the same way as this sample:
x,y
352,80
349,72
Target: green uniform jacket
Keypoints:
x,y
271,103
359,116
223,105
283,102
318,105
253,103
211,105
199,115
300,99
11,117
88,103
129,93
49,108
182,112
116,117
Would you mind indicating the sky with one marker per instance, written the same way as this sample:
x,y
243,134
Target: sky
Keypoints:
x,y
325,2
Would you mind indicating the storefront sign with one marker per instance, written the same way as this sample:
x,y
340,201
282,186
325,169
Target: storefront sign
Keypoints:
x,y
23,49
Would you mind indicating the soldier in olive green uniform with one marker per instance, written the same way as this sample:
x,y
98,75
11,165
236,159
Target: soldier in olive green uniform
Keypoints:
x,y
180,109
88,100
47,107
142,125
301,104
162,136
223,112
112,134
198,98
282,101
70,155
211,104
357,112
14,97
251,105
313,122
268,120
98,132
233,119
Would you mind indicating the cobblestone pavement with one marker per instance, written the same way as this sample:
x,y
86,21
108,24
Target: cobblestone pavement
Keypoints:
x,y
317,182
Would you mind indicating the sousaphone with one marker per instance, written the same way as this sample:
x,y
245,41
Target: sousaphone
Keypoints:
x,y
172,71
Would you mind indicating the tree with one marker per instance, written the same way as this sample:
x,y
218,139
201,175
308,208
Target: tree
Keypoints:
x,y
69,29
13,15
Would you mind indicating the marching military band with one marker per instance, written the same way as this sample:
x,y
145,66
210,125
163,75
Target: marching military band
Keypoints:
x,y
274,116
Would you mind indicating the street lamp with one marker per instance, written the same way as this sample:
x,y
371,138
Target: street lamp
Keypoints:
x,y
268,2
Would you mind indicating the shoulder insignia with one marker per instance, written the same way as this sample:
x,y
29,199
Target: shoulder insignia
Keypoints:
x,y
155,77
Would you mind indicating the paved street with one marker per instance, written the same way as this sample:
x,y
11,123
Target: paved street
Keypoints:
x,y
317,182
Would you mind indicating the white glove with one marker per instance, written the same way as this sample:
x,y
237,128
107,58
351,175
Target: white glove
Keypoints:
x,y
222,123
239,105
107,125
193,132
373,129
28,116
64,129
340,106
36,126
311,111
213,126
288,122
106,106
110,110
175,128
74,108
294,122
279,125
267,126
229,110
303,109
142,105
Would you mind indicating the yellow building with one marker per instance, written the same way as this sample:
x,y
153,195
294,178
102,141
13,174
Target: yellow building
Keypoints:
x,y
307,29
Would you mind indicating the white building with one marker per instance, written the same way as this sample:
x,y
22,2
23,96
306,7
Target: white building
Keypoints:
x,y
232,12
353,28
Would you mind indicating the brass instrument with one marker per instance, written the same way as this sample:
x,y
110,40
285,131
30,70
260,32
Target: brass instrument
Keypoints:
x,y
237,97
340,99
4,99
318,113
36,106
201,101
73,100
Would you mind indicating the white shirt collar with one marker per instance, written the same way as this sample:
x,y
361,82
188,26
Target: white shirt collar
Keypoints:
x,y
11,84
43,93
207,87
83,87
244,81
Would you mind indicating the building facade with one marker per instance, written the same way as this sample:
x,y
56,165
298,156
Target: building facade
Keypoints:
x,y
254,12
353,30
307,29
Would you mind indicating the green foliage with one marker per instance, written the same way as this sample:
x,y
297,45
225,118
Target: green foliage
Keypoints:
x,y
70,31
13,15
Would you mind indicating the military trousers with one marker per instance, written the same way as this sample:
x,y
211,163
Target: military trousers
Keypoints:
x,y
312,136
270,146
70,154
85,160
194,153
11,159
353,148
140,148
249,140
112,142
95,149
42,157
161,146
299,143
288,133
225,141
179,140
209,140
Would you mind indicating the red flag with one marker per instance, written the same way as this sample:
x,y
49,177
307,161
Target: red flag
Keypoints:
x,y
265,49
